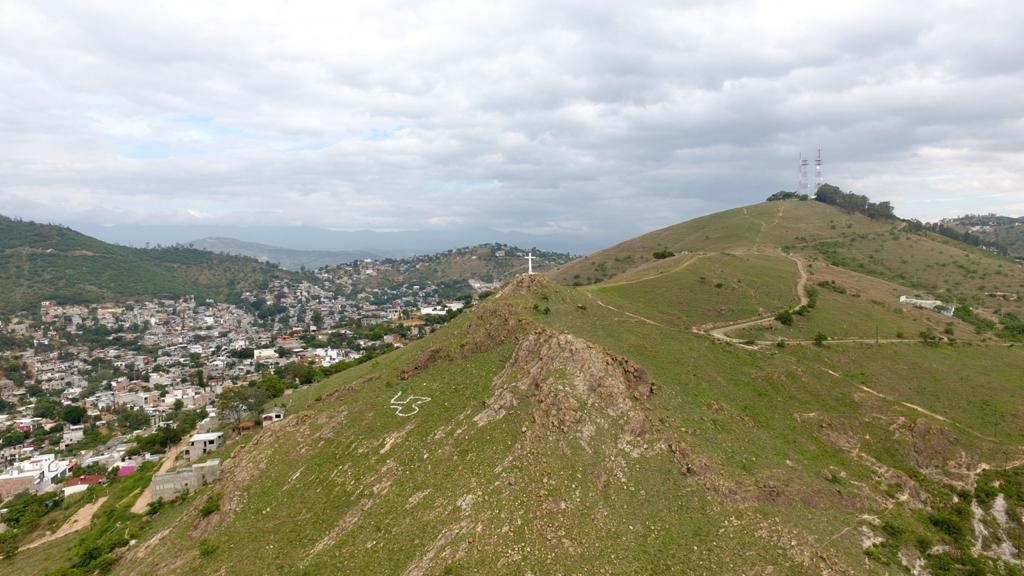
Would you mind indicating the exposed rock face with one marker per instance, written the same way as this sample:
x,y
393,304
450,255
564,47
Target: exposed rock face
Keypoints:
x,y
524,284
568,377
497,323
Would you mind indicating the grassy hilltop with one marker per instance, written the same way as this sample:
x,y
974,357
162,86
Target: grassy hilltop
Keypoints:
x,y
46,262
655,419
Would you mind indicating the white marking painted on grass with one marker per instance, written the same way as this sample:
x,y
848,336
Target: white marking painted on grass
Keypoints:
x,y
409,406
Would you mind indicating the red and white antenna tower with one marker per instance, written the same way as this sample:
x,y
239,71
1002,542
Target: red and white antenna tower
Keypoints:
x,y
805,185
819,179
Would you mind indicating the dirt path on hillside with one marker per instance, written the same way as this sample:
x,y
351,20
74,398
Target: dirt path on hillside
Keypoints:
x,y
694,256
722,332
926,412
147,495
78,520
630,314
778,216
801,291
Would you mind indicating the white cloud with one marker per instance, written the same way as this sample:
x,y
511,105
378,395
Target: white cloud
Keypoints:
x,y
582,118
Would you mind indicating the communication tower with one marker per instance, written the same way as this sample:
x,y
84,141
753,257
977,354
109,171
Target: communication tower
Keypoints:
x,y
819,178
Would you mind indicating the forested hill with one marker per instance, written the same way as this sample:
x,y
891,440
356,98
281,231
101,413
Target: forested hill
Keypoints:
x,y
49,262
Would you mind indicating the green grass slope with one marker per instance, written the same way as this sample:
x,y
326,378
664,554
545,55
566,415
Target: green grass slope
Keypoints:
x,y
850,305
558,430
738,462
45,262
773,224
709,289
931,264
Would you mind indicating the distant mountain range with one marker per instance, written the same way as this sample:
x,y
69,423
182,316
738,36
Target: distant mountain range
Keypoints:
x,y
284,257
389,244
488,262
50,262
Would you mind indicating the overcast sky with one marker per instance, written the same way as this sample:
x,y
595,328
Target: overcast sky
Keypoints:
x,y
590,118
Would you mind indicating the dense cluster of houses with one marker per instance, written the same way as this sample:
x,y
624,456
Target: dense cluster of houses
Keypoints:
x,y
173,354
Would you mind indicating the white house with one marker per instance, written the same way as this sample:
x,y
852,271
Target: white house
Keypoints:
x,y
264,354
73,433
202,444
275,415
936,305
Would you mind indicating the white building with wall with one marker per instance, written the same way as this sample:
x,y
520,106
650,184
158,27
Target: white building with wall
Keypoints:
x,y
168,485
201,444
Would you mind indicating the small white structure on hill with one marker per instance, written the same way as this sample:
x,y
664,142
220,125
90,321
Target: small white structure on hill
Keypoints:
x,y
274,415
935,305
264,354
201,444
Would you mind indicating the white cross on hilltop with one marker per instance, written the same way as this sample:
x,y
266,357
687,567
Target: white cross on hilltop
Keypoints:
x,y
529,260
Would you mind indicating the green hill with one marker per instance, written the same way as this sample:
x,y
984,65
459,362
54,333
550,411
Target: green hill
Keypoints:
x,y
485,262
47,262
651,423
769,224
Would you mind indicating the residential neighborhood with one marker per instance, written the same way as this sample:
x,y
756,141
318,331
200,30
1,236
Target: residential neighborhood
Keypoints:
x,y
88,391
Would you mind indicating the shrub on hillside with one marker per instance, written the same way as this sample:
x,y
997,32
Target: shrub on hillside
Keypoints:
x,y
787,195
211,505
928,336
785,317
812,296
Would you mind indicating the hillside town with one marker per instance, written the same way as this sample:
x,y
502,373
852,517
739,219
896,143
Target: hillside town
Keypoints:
x,y
92,390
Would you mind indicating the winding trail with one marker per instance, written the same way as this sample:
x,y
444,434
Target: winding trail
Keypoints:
x,y
719,333
693,257
630,314
80,519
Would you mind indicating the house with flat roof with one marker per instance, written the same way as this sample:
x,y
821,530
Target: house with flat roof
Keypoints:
x,y
167,485
274,415
202,444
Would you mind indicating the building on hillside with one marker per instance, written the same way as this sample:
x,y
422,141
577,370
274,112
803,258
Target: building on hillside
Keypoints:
x,y
208,424
81,483
934,305
168,485
264,354
73,433
37,474
274,415
202,444
14,482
